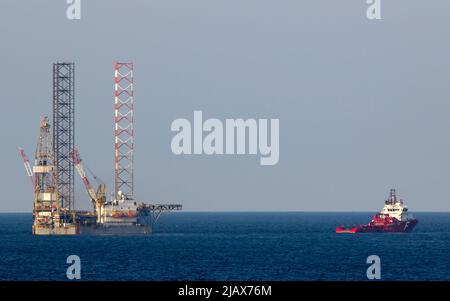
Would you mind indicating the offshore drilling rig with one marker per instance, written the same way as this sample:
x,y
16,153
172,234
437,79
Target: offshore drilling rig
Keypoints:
x,y
57,158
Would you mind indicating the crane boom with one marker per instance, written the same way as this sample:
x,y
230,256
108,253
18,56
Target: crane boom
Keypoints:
x,y
98,199
27,165
79,167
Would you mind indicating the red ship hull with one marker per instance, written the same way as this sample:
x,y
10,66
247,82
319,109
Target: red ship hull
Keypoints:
x,y
387,225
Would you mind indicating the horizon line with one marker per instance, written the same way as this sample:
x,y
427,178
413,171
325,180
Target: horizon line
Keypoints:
x,y
257,211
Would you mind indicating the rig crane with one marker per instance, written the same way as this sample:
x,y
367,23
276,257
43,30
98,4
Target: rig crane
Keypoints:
x,y
98,198
27,165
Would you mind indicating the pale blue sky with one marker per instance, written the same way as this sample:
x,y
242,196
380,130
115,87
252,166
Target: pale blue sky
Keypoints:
x,y
363,105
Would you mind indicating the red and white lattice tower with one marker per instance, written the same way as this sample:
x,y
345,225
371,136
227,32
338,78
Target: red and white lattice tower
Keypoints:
x,y
124,131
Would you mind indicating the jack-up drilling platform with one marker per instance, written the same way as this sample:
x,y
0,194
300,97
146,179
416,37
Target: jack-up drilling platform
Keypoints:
x,y
57,158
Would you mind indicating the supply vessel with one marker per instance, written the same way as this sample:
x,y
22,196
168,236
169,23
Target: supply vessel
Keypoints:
x,y
394,217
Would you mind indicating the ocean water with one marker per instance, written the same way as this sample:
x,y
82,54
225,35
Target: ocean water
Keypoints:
x,y
232,246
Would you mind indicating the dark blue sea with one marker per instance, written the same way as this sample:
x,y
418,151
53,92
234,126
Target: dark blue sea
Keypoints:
x,y
232,246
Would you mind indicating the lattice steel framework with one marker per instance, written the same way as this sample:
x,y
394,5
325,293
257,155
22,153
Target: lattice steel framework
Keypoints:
x,y
43,179
124,130
64,131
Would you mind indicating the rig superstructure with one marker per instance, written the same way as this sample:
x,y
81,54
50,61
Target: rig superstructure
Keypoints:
x,y
57,158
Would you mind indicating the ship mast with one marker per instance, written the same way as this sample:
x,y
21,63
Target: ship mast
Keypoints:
x,y
393,196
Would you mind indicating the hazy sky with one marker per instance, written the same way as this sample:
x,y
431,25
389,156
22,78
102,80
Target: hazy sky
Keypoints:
x,y
363,105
